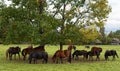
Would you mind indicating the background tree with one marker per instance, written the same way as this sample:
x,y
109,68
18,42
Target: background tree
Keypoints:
x,y
24,21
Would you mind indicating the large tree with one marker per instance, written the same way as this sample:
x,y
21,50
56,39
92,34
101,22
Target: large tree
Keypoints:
x,y
77,15
53,21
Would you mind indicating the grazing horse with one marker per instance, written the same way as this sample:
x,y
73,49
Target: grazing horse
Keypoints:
x,y
79,53
60,55
110,53
95,51
34,56
29,49
11,51
26,51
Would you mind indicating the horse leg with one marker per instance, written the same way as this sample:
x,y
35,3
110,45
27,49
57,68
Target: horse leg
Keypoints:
x,y
10,56
56,61
43,61
106,57
30,60
113,57
84,57
15,56
97,58
90,57
35,60
61,60
19,56
77,58
24,57
46,60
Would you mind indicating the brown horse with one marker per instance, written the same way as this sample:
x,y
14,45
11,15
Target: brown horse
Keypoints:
x,y
27,51
58,55
11,51
95,51
63,54
30,49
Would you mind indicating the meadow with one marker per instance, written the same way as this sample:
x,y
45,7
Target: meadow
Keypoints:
x,y
20,65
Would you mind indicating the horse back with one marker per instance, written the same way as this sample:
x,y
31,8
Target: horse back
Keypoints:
x,y
39,48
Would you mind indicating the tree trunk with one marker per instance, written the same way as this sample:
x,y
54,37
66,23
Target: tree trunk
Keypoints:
x,y
61,46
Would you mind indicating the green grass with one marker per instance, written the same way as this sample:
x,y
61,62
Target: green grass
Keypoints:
x,y
20,65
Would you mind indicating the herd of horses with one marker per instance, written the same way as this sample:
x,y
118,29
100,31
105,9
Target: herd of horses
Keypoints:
x,y
59,56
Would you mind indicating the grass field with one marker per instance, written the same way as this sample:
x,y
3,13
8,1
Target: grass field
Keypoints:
x,y
20,65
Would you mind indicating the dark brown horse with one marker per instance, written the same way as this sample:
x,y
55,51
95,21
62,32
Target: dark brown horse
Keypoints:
x,y
30,49
13,51
95,51
78,53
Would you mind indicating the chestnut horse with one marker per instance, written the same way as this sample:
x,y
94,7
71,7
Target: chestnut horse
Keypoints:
x,y
63,54
30,49
58,55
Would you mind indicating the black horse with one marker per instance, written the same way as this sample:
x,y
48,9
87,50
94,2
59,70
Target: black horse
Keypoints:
x,y
110,53
30,49
79,53
38,55
11,51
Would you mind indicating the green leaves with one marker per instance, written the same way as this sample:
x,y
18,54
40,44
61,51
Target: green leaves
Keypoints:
x,y
59,21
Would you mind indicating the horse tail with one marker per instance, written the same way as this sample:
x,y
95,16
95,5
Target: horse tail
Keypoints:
x,y
23,52
30,58
73,55
116,54
7,54
46,57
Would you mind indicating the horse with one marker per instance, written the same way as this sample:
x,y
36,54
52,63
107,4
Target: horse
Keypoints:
x,y
79,53
110,53
70,47
87,46
91,54
60,55
29,49
13,50
95,51
34,56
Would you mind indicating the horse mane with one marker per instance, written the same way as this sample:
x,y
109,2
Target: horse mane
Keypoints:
x,y
54,56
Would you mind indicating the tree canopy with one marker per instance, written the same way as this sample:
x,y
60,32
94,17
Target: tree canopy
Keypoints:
x,y
52,21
